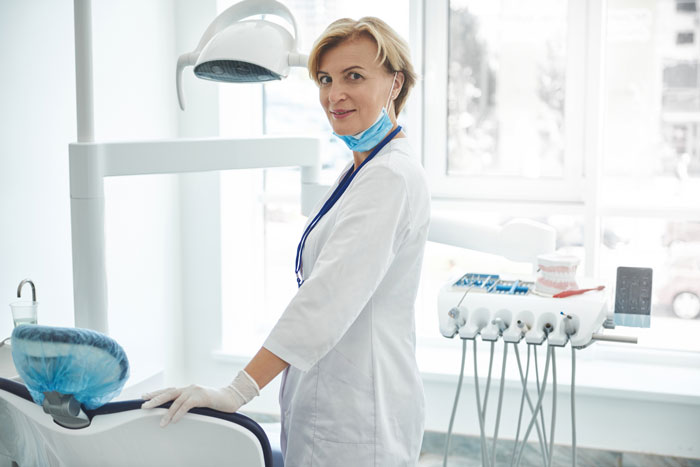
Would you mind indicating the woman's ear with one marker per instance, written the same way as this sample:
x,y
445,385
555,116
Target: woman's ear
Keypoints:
x,y
398,85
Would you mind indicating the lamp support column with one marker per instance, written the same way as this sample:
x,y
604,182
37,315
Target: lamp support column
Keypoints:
x,y
87,189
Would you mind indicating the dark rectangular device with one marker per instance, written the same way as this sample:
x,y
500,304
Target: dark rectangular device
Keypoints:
x,y
633,297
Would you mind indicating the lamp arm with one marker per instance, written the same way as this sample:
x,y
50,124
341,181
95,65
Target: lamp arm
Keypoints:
x,y
298,60
518,240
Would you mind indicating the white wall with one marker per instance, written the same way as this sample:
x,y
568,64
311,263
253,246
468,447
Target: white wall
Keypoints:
x,y
37,91
135,56
199,330
134,62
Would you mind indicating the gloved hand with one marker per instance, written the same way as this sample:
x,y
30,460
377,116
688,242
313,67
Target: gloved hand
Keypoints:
x,y
228,399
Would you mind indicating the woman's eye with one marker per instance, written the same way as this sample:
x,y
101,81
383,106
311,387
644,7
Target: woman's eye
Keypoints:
x,y
325,79
355,76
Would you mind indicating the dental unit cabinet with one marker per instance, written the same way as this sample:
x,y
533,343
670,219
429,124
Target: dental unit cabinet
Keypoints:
x,y
510,309
524,314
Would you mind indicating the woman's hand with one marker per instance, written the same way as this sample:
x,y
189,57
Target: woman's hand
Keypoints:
x,y
228,399
184,399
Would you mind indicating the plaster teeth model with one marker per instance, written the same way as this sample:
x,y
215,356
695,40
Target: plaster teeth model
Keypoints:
x,y
556,273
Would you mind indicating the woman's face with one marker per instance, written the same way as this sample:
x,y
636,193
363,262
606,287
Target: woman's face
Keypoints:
x,y
353,87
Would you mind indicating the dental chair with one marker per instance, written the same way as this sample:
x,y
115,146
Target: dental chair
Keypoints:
x,y
59,415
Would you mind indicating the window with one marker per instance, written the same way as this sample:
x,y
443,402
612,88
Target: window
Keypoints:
x,y
506,79
685,37
626,154
681,85
505,94
686,6
651,173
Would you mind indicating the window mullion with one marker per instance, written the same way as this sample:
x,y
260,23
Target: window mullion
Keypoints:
x,y
593,131
575,91
416,38
435,85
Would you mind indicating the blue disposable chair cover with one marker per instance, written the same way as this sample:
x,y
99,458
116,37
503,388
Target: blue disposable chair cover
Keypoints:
x,y
87,364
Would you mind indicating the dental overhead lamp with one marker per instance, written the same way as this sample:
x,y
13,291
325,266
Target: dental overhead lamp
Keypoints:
x,y
251,51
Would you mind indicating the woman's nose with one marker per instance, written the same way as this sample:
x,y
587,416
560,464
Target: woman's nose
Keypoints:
x,y
336,93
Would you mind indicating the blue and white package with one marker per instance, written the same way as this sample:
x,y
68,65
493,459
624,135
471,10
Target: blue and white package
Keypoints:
x,y
87,364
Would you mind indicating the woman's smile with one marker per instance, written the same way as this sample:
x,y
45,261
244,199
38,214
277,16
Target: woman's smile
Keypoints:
x,y
340,113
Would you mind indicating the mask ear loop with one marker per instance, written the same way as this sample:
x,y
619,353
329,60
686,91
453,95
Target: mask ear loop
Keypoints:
x,y
388,99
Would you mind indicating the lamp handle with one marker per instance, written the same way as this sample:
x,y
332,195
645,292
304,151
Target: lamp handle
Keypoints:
x,y
184,60
244,9
297,59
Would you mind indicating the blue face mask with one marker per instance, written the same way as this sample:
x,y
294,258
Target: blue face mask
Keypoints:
x,y
369,138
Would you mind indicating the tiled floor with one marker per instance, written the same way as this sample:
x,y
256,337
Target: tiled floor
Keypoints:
x,y
466,452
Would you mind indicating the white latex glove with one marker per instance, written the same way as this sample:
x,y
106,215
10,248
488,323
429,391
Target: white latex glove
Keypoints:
x,y
228,399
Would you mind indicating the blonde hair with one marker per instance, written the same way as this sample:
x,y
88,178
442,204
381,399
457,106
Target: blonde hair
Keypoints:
x,y
392,51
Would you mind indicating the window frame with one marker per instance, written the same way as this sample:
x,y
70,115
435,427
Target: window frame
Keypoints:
x,y
569,188
581,191
583,124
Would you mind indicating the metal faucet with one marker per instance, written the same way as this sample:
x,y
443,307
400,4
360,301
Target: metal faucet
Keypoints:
x,y
21,284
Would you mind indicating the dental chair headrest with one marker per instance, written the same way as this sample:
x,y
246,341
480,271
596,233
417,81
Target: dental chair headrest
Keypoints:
x,y
83,363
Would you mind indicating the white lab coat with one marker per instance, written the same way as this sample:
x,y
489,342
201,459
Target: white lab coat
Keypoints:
x,y
353,395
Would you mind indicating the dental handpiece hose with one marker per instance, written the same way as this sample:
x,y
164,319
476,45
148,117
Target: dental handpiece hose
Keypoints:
x,y
526,394
522,399
484,457
541,412
500,403
537,407
454,407
488,382
554,407
570,330
573,406
541,436
459,388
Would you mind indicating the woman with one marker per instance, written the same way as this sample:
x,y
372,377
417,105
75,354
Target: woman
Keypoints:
x,y
351,392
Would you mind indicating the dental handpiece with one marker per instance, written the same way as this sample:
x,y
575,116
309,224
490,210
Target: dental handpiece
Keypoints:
x,y
523,326
568,324
456,314
498,322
